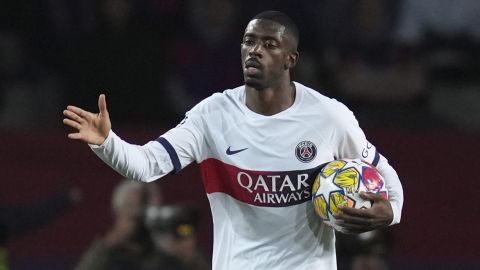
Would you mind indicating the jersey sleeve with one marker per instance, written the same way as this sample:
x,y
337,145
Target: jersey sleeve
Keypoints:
x,y
169,153
350,141
138,162
186,142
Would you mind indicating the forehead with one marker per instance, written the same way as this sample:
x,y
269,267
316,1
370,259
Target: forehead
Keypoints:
x,y
265,28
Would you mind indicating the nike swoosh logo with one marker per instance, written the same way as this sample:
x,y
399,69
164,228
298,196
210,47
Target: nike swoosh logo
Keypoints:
x,y
233,152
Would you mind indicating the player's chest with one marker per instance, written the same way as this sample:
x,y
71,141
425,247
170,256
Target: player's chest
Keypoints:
x,y
288,143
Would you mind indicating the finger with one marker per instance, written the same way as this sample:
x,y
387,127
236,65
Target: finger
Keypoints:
x,y
73,116
371,196
74,136
72,123
352,220
102,104
350,226
80,112
354,212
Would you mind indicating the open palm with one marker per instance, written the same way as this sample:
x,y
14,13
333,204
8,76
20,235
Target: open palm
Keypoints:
x,y
92,128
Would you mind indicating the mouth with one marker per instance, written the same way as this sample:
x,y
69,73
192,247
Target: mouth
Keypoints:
x,y
252,63
253,68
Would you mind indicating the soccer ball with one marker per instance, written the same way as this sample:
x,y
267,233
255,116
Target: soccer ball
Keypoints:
x,y
340,183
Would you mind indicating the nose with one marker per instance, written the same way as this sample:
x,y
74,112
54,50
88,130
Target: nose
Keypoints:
x,y
256,50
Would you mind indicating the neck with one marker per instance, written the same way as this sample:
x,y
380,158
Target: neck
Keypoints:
x,y
271,100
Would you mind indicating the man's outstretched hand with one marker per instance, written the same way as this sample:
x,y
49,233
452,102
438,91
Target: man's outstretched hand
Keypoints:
x,y
92,128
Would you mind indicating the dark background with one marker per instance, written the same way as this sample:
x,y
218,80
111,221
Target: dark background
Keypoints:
x,y
407,69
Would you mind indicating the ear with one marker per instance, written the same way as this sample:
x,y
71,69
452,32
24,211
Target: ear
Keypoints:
x,y
292,59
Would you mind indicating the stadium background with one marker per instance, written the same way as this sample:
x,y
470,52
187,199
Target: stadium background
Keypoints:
x,y
416,95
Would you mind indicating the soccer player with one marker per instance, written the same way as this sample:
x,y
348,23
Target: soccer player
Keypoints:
x,y
259,146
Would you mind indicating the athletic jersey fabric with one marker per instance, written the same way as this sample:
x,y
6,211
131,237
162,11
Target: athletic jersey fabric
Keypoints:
x,y
258,171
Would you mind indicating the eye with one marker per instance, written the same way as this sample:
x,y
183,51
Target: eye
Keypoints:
x,y
248,42
270,44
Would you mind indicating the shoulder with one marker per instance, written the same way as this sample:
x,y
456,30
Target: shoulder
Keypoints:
x,y
327,106
220,100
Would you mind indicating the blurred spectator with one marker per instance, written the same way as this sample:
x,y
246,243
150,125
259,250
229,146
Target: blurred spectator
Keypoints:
x,y
127,244
126,58
174,231
204,52
18,219
444,18
25,86
445,34
371,70
370,73
383,58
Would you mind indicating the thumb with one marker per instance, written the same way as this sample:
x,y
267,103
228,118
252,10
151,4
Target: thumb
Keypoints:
x,y
102,104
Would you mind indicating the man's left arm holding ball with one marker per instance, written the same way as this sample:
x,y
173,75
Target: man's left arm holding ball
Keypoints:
x,y
352,143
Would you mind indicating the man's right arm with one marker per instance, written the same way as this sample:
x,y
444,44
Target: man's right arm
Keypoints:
x,y
139,162
144,163
169,153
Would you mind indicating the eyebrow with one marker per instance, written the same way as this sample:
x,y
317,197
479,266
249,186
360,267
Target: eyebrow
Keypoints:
x,y
263,37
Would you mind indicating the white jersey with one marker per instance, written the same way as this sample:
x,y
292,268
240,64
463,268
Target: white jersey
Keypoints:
x,y
258,171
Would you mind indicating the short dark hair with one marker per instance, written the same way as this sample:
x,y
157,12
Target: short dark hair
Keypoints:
x,y
280,18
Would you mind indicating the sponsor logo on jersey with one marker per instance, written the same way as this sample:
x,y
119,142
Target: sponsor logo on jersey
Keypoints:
x,y
233,152
260,188
305,151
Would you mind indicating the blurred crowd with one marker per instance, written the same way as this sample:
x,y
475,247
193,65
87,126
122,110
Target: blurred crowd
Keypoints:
x,y
17,219
145,234
405,64
401,64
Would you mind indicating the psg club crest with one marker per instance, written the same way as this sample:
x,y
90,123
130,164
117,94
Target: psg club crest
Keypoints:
x,y
305,151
